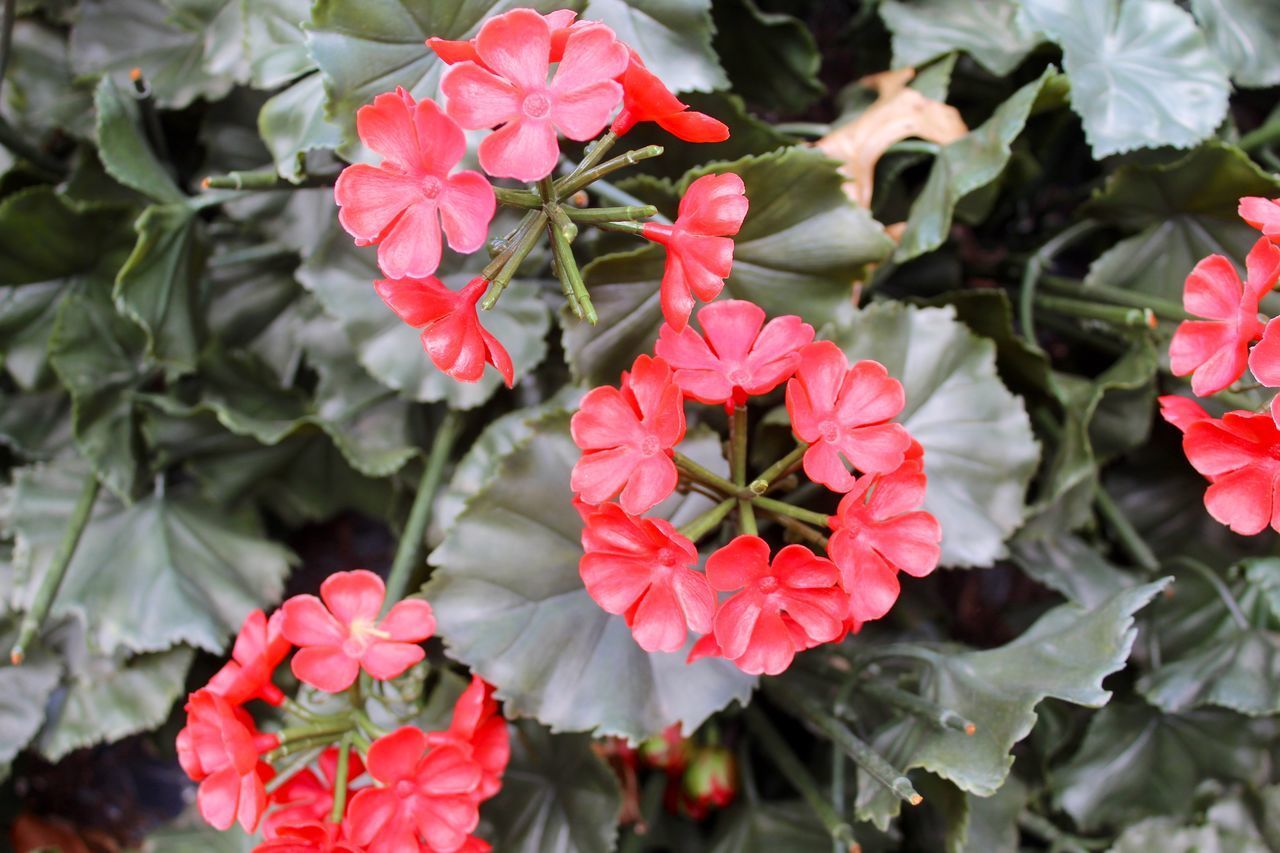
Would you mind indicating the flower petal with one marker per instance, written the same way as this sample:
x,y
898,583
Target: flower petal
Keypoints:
x,y
307,622
517,46
385,660
476,98
370,199
355,595
411,249
409,621
326,668
467,205
525,149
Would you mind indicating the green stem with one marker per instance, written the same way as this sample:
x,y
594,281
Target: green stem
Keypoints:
x,y
263,180
1223,591
634,228
561,222
779,469
1165,309
310,731
780,508
738,430
513,257
293,768
707,521
409,551
608,192
517,198
1117,315
803,128
837,794
1129,538
340,780
794,771
799,528
594,154
693,471
567,186
571,277
52,579
593,215
299,710
1260,137
939,718
368,726
1044,828
318,743
1035,265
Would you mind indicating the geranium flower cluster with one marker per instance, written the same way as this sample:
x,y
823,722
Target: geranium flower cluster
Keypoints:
x,y
415,199
1238,453
700,776
358,788
752,606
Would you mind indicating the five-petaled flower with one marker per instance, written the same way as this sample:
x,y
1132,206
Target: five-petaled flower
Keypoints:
x,y
1240,455
844,411
643,568
509,89
779,609
646,98
343,634
451,330
402,203
627,435
260,647
219,748
734,358
479,730
699,248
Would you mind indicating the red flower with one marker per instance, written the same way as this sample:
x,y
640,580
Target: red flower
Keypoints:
x,y
1264,361
627,438
402,203
1181,411
1215,351
559,22
482,732
316,837
258,651
646,98
342,635
711,781
427,796
668,750
1240,454
737,358
510,89
781,609
219,748
845,411
699,248
643,569
307,797
451,330
1263,214
880,530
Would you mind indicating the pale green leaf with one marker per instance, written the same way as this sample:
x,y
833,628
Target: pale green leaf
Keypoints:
x,y
123,147
991,31
291,125
1243,33
673,37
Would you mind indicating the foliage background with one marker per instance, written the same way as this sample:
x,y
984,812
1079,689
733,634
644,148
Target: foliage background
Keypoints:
x,y
258,419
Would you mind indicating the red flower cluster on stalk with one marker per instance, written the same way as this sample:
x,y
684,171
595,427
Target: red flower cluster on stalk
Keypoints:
x,y
503,81
1239,453
753,607
368,790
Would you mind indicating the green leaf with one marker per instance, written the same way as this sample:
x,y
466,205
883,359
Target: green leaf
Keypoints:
x,y
1069,565
980,452
762,827
993,820
45,235
972,162
557,796
1241,33
1210,658
1182,212
512,606
1066,655
115,36
193,569
27,314
24,694
1135,762
673,37
991,31
798,252
340,275
1169,835
749,39
274,41
123,147
1142,74
36,425
291,126
989,314
41,95
159,285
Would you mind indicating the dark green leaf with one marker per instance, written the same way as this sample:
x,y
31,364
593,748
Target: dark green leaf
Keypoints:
x,y
1069,565
36,425
991,31
291,125
1169,835
763,827
123,147
673,37
993,820
274,41
749,40
512,606
24,694
1142,74
41,95
45,235
1242,34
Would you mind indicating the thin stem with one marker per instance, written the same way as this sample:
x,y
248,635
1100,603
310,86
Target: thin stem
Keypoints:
x,y
310,731
593,155
294,767
779,469
1130,540
318,743
517,198
1045,829
1165,309
561,222
571,276
803,128
708,521
837,794
409,551
1260,137
610,193
799,528
797,774
150,118
52,579
263,180
567,186
1223,591
1035,265
298,710
368,726
738,430
1117,315
693,471
938,717
340,780
636,229
780,508
514,257
592,215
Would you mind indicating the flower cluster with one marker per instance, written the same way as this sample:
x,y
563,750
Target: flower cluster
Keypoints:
x,y
502,81
368,790
1238,453
701,774
753,607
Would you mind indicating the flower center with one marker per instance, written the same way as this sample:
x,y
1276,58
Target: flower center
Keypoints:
x,y
650,445
430,186
829,430
768,584
536,105
405,789
669,557
361,634
739,376
353,647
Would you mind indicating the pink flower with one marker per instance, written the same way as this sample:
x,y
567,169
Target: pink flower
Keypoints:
x,y
699,248
1181,411
307,797
510,89
451,330
339,637
318,836
1240,454
219,748
880,531
1264,361
627,438
402,203
259,649
1263,214
559,22
845,411
780,609
1215,351
646,98
479,729
737,358
643,569
426,796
